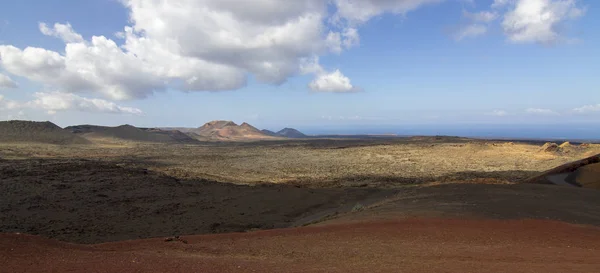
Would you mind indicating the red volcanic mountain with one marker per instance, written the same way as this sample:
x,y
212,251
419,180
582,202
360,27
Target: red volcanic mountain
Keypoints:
x,y
228,130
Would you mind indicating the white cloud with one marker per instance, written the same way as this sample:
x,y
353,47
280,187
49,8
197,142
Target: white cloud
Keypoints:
x,y
539,111
62,31
469,31
357,12
498,113
525,21
482,16
351,38
332,82
6,104
99,67
7,82
206,45
311,66
56,101
265,38
334,42
537,21
214,45
9,106
326,81
587,109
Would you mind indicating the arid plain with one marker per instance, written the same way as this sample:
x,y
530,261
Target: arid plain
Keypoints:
x,y
384,162
279,195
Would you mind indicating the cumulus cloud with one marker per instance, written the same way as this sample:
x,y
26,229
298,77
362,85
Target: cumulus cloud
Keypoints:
x,y
537,21
207,45
101,66
265,38
539,111
214,45
334,42
332,82
351,13
7,82
338,41
62,31
587,109
326,81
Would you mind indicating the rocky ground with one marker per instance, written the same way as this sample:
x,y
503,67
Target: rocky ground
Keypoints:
x,y
363,200
87,201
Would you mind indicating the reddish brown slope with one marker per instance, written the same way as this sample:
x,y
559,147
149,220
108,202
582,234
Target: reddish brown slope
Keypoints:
x,y
413,245
228,130
582,173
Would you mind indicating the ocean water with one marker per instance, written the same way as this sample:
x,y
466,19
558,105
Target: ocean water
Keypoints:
x,y
589,132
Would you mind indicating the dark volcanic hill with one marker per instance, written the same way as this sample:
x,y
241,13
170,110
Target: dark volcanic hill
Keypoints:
x,y
37,132
177,135
130,133
290,133
268,132
229,130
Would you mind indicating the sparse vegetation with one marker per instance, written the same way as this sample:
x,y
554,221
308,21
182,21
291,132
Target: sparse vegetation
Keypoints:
x,y
284,182
17,131
322,163
358,207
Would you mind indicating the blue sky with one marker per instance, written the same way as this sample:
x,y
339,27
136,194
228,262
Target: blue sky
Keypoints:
x,y
405,64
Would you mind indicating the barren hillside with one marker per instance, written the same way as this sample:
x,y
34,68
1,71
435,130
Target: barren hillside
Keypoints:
x,y
36,132
228,130
130,133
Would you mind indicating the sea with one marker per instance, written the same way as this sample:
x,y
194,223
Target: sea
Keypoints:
x,y
565,132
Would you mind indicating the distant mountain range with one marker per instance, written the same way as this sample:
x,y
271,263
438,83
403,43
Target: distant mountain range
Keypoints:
x,y
130,133
218,130
286,132
229,130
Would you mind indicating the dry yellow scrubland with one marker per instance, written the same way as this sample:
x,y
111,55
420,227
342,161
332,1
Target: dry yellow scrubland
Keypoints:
x,y
335,163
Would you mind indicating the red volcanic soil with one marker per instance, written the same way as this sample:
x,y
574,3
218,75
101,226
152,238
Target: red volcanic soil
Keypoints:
x,y
410,245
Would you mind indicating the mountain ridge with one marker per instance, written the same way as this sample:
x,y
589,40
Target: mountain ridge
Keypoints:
x,y
290,133
229,130
37,132
130,133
